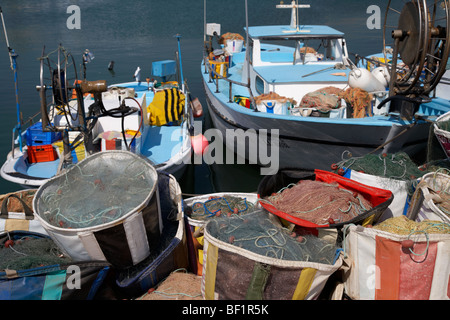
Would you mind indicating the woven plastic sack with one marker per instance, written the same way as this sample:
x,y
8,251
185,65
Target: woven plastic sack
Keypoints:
x,y
441,131
171,253
379,198
383,268
427,202
60,281
231,272
196,225
16,212
104,208
400,202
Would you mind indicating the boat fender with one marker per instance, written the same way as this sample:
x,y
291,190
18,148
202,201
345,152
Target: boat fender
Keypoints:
x,y
364,79
382,75
199,144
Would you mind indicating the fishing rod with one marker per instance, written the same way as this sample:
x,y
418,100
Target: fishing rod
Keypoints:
x,y
13,61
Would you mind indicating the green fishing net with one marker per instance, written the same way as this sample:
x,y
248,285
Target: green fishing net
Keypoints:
x,y
98,190
30,252
260,233
217,206
393,166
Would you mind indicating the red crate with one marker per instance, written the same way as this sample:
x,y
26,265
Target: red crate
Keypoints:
x,y
42,153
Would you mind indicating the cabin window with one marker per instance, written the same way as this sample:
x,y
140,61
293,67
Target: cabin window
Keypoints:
x,y
259,83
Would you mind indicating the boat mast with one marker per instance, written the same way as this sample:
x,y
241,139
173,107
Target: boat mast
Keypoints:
x,y
294,6
13,60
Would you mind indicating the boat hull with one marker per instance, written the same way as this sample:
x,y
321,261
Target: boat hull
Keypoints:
x,y
311,142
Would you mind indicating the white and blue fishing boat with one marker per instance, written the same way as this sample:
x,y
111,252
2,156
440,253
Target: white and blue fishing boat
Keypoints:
x,y
79,118
258,85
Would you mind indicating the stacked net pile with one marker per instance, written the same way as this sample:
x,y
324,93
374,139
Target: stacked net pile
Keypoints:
x,y
92,194
30,252
274,96
319,202
217,206
403,226
258,233
360,100
324,99
230,36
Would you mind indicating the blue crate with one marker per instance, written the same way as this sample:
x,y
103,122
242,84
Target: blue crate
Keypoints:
x,y
36,137
163,68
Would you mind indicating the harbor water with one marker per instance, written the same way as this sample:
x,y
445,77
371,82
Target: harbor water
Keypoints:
x,y
133,34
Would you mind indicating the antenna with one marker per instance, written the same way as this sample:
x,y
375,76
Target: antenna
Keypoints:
x,y
294,15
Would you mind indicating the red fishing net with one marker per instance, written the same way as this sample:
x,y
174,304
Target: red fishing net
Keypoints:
x,y
319,202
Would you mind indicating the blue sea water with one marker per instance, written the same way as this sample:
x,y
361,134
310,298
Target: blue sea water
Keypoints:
x,y
133,34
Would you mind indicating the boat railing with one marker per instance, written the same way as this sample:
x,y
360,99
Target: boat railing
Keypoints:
x,y
214,75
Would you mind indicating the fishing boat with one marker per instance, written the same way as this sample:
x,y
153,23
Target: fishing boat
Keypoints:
x,y
261,91
79,118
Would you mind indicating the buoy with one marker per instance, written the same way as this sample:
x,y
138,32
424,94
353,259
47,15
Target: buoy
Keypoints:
x,y
9,243
407,244
111,65
364,79
199,144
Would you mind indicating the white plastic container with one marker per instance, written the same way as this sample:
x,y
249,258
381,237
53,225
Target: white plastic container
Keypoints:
x,y
234,46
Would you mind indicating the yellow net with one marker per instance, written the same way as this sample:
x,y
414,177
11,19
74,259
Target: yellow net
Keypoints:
x,y
403,226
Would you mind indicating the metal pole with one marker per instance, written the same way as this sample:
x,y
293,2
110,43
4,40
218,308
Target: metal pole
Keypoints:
x,y
13,60
181,63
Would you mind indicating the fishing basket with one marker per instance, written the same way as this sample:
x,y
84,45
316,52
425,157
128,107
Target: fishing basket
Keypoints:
x,y
386,264
253,257
42,274
441,131
200,209
16,212
171,253
376,200
105,207
431,200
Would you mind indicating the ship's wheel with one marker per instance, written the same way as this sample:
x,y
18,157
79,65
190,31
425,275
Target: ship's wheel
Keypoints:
x,y
58,90
416,42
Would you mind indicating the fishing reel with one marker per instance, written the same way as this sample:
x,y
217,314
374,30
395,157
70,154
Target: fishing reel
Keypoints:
x,y
60,92
418,35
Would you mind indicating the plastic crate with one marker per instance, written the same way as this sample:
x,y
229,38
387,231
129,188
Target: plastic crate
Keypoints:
x,y
163,68
43,153
35,136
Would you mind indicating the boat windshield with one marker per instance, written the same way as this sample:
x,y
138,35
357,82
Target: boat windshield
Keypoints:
x,y
302,50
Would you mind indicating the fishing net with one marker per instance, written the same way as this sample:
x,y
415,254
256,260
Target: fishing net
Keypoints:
x,y
93,193
217,206
319,202
324,99
359,100
397,166
273,96
28,252
259,233
230,36
403,226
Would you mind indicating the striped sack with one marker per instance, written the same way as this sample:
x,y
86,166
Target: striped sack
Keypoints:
x,y
289,280
382,270
167,107
16,212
